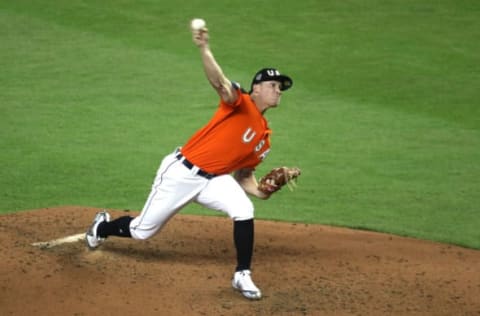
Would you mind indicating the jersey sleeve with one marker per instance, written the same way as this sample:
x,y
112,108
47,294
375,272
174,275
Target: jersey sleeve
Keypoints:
x,y
238,100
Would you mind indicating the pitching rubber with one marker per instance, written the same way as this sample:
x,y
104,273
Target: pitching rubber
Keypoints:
x,y
59,241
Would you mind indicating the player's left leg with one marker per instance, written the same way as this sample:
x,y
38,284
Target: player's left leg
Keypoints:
x,y
225,194
243,237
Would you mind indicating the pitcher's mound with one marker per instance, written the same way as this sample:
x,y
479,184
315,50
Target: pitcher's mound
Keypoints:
x,y
186,270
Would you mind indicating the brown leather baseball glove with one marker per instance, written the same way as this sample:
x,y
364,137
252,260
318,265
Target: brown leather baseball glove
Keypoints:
x,y
277,178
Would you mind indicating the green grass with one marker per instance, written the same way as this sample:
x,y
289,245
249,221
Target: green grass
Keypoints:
x,y
383,118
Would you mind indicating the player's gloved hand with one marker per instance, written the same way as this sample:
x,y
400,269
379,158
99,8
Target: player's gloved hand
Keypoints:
x,y
277,178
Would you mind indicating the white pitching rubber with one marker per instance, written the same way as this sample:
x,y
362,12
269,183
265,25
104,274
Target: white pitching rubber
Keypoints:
x,y
59,241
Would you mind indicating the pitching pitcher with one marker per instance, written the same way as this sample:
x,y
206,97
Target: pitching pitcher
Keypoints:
x,y
214,168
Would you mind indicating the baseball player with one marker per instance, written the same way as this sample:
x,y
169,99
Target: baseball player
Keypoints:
x,y
214,168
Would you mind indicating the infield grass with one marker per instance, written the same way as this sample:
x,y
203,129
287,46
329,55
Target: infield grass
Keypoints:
x,y
383,118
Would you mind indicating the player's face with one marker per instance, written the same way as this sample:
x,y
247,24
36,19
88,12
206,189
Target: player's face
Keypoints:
x,y
270,92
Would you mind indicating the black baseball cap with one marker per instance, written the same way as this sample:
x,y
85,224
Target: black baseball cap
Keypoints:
x,y
272,74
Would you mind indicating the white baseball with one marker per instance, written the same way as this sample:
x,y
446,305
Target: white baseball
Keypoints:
x,y
197,24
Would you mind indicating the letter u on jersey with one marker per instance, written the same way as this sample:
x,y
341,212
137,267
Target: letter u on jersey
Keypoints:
x,y
248,135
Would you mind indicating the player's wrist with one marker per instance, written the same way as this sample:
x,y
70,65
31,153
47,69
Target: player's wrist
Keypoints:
x,y
262,195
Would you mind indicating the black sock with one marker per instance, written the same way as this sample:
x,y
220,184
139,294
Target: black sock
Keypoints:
x,y
243,236
118,227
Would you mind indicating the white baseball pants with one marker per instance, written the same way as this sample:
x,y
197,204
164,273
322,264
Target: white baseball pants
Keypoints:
x,y
175,186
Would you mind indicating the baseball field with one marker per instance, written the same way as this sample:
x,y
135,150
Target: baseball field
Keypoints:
x,y
383,119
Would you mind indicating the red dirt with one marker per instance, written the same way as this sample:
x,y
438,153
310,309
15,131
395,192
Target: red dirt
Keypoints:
x,y
186,270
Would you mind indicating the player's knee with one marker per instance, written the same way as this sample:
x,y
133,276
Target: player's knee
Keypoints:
x,y
243,212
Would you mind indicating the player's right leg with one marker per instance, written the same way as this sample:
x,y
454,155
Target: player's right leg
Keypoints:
x,y
174,186
92,238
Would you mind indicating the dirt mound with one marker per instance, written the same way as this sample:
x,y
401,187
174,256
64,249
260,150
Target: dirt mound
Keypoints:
x,y
186,270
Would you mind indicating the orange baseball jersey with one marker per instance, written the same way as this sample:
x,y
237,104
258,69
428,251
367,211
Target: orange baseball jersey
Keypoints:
x,y
236,137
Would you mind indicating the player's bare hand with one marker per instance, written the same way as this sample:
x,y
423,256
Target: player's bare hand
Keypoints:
x,y
200,37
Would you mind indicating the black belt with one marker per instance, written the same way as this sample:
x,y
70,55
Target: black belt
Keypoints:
x,y
190,165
